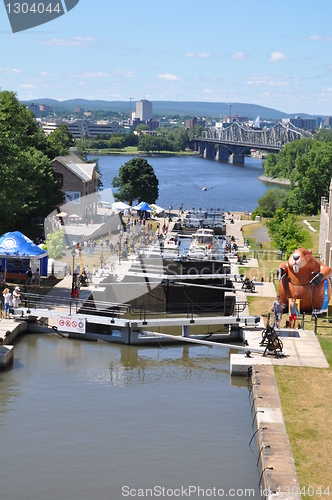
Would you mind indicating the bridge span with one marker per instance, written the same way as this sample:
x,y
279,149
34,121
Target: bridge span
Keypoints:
x,y
238,139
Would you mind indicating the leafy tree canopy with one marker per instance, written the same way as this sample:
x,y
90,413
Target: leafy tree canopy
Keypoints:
x,y
308,165
142,126
285,231
269,202
59,142
55,244
28,185
136,181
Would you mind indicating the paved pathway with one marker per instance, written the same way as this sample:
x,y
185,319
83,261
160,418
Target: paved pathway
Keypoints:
x,y
302,350
262,235
262,289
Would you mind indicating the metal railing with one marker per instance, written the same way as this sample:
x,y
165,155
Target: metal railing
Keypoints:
x,y
73,306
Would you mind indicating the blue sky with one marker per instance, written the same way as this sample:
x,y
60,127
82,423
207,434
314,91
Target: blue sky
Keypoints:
x,y
276,54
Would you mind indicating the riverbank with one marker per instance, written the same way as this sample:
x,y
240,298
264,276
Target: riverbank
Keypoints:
x,y
274,180
161,154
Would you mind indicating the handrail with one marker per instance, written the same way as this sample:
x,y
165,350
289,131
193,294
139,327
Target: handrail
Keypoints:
x,y
32,301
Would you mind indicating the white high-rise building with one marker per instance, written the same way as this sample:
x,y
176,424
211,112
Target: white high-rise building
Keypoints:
x,y
144,110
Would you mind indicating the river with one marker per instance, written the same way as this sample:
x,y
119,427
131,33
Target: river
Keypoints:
x,y
181,179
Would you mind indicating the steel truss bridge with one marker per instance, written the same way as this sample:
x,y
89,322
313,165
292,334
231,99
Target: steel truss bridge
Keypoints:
x,y
240,138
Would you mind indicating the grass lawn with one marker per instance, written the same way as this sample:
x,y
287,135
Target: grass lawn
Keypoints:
x,y
306,401
305,393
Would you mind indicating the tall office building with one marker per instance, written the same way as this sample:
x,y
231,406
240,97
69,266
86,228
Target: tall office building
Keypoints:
x,y
144,110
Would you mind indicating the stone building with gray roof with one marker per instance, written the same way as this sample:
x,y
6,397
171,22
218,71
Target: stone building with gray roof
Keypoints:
x,y
79,182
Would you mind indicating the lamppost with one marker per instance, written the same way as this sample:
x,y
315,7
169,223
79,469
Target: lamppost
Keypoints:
x,y
120,237
73,254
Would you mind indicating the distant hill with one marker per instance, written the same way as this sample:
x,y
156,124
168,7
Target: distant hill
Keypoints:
x,y
168,108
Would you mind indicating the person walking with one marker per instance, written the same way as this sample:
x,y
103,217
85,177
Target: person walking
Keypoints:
x,y
277,309
7,297
37,277
293,313
16,297
28,277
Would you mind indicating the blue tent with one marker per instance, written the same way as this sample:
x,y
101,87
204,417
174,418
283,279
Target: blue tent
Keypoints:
x,y
16,252
143,207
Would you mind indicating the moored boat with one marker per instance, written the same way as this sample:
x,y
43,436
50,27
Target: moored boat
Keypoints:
x,y
171,242
204,244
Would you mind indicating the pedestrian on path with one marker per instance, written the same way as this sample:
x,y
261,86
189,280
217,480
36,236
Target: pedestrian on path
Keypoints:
x,y
293,313
28,277
7,296
277,309
16,297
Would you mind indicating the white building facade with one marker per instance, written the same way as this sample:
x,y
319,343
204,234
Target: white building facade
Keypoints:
x,y
144,110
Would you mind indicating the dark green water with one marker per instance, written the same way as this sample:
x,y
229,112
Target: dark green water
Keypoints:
x,y
81,420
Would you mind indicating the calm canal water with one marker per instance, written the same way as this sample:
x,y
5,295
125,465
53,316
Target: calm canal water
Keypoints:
x,y
181,179
81,420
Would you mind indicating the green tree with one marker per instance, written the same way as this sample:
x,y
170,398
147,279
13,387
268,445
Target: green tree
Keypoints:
x,y
285,231
195,131
55,244
136,181
310,180
283,163
60,141
141,126
269,202
28,184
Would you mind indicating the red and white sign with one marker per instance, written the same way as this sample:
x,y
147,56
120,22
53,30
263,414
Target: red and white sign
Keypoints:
x,y
73,324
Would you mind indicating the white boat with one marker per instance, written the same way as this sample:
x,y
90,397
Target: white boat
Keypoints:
x,y
204,188
204,244
171,242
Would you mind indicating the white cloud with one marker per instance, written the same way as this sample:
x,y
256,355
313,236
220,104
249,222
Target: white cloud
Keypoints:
x,y
109,41
313,37
198,55
96,74
278,57
169,77
28,86
273,80
89,74
46,73
125,73
75,41
14,71
238,56
256,82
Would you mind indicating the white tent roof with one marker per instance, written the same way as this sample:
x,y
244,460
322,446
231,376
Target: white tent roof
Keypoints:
x,y
158,210
119,205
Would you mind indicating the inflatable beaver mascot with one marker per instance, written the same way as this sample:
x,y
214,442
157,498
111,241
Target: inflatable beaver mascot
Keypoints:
x,y
306,278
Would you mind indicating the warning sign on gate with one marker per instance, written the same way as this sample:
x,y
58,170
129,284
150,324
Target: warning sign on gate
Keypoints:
x,y
73,324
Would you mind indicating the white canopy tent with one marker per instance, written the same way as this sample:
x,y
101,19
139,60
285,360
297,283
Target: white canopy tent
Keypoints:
x,y
119,205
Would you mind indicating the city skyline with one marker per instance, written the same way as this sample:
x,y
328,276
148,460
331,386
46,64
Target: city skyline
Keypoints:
x,y
213,52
